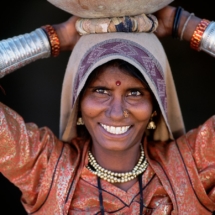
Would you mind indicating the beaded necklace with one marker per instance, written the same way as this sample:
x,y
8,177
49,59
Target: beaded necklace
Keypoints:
x,y
114,177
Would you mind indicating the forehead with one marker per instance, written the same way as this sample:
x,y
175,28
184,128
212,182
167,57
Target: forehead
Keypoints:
x,y
111,74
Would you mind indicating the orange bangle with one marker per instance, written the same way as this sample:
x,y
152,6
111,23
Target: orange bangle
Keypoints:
x,y
53,39
197,35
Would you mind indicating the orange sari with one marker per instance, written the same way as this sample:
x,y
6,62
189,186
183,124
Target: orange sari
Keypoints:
x,y
180,178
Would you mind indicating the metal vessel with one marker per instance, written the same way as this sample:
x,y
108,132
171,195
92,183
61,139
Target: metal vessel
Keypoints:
x,y
109,8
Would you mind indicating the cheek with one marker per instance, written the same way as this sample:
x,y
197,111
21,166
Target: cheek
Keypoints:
x,y
143,111
86,108
90,108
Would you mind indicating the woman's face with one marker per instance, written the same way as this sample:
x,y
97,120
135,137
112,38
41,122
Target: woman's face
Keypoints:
x,y
102,106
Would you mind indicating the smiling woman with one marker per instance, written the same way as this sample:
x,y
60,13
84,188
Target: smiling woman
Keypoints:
x,y
122,147
116,166
103,106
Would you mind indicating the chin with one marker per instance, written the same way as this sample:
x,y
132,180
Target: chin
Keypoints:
x,y
116,145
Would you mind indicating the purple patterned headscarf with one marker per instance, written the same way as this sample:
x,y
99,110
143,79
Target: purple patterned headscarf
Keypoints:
x,y
128,49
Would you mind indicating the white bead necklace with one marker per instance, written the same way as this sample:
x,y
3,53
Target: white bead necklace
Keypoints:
x,y
114,177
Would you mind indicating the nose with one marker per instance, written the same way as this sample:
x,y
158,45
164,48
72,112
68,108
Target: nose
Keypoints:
x,y
115,109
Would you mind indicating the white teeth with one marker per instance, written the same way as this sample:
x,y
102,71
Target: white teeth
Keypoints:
x,y
112,129
115,130
118,130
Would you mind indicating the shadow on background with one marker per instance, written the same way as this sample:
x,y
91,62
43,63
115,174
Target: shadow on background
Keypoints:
x,y
34,91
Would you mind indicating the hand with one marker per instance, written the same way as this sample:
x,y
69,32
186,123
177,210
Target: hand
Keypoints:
x,y
165,18
67,34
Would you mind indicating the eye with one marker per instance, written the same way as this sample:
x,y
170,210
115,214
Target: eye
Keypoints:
x,y
101,91
134,93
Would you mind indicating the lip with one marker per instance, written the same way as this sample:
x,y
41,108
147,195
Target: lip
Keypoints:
x,y
116,135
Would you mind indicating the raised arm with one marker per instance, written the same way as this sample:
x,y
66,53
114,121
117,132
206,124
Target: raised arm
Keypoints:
x,y
42,43
181,24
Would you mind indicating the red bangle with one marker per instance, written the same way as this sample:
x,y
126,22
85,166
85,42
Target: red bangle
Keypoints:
x,y
53,39
197,35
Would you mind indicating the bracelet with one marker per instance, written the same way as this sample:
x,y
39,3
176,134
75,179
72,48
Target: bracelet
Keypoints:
x,y
208,40
176,22
19,51
185,25
197,35
53,39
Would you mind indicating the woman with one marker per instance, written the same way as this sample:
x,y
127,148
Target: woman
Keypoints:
x,y
154,173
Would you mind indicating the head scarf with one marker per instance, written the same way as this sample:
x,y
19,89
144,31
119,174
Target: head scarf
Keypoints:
x,y
142,50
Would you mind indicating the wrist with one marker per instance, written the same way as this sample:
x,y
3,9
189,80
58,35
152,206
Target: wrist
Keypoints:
x,y
184,16
198,34
182,24
67,34
190,25
176,22
59,28
53,39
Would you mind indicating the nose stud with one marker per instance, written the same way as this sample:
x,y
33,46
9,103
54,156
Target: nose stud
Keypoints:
x,y
125,113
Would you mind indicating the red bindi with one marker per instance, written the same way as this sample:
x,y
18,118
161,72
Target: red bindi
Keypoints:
x,y
118,83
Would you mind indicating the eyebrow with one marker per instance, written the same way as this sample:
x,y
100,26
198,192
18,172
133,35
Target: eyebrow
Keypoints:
x,y
99,86
138,88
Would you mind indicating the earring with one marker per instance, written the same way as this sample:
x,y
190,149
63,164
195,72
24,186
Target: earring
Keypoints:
x,y
125,113
80,121
151,125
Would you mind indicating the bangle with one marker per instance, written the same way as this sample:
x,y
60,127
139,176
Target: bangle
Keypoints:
x,y
53,40
19,51
197,35
208,40
185,25
176,22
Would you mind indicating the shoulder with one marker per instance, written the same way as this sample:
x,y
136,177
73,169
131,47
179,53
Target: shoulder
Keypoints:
x,y
201,142
204,133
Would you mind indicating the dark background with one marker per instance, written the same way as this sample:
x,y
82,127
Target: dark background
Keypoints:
x,y
34,91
